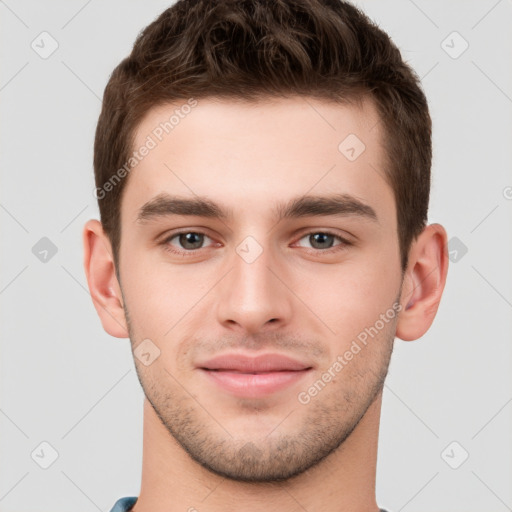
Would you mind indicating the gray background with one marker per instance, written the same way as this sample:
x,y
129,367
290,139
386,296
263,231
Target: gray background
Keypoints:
x,y
64,381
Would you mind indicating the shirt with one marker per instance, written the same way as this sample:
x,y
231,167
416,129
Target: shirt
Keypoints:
x,y
125,504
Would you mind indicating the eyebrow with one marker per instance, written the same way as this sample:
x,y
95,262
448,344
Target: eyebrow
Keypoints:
x,y
164,205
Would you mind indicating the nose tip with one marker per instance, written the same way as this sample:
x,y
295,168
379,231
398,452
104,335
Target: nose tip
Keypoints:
x,y
251,298
251,323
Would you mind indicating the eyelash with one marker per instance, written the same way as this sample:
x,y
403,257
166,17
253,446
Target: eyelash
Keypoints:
x,y
192,252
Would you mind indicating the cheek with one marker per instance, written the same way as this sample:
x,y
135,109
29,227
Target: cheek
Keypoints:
x,y
165,298
159,295
353,296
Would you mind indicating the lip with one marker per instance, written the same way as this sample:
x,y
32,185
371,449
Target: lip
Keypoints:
x,y
262,363
254,377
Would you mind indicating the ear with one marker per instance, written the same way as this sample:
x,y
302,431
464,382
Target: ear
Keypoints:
x,y
102,280
423,284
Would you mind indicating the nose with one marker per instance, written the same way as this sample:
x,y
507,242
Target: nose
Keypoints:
x,y
254,296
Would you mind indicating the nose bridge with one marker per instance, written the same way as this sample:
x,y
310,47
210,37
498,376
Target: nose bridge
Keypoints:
x,y
251,295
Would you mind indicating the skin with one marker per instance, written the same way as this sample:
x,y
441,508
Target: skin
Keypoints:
x,y
203,447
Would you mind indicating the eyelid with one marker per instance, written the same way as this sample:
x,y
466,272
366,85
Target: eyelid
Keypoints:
x,y
344,241
167,239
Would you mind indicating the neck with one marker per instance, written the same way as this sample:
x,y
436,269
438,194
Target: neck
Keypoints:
x,y
344,481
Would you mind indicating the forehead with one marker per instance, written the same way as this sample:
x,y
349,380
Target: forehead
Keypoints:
x,y
250,157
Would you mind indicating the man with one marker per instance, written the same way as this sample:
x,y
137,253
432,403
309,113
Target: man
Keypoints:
x,y
263,175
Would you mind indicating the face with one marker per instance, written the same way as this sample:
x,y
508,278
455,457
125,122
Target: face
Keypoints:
x,y
292,252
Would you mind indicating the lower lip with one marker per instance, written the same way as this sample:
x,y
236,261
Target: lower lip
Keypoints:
x,y
254,385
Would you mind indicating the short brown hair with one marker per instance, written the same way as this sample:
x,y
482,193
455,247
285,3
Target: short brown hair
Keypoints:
x,y
255,49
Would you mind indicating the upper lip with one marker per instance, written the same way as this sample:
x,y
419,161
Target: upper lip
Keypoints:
x,y
262,363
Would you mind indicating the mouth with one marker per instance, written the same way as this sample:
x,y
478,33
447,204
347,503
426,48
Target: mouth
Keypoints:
x,y
251,377
254,385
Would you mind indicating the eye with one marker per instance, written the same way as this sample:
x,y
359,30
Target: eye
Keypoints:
x,y
185,241
324,240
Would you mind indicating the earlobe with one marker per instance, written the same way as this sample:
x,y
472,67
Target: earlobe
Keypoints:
x,y
423,283
102,280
